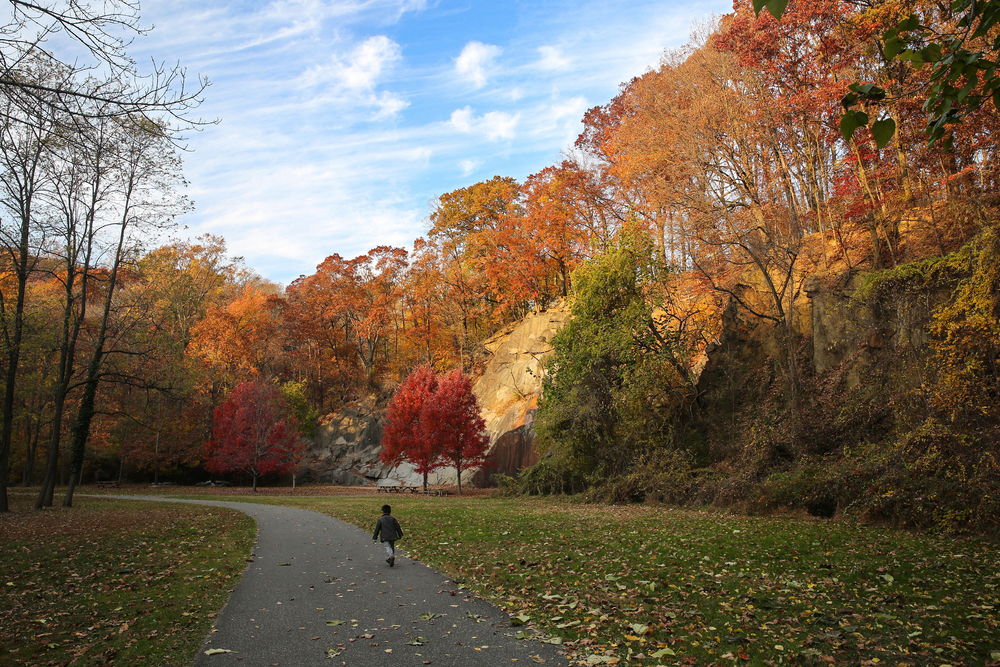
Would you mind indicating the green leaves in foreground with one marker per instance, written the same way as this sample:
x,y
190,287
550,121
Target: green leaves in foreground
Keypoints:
x,y
882,130
776,7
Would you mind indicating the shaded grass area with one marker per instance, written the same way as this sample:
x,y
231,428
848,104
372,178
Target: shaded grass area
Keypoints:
x,y
115,582
662,586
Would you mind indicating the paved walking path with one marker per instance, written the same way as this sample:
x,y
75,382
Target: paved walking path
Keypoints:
x,y
308,569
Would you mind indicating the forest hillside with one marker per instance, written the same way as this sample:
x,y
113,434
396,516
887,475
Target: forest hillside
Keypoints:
x,y
765,305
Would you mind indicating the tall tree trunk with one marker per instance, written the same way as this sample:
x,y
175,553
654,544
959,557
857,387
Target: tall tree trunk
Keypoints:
x,y
67,350
71,324
22,189
85,413
876,242
52,460
31,445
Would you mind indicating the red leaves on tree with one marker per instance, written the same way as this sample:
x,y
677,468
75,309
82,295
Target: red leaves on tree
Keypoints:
x,y
404,438
255,433
432,421
452,421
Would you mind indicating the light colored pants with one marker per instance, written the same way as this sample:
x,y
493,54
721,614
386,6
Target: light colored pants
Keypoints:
x,y
390,548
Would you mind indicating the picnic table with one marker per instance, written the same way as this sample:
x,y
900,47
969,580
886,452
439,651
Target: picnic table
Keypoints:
x,y
412,489
108,484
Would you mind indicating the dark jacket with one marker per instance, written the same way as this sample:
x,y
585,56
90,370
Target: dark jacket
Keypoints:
x,y
388,527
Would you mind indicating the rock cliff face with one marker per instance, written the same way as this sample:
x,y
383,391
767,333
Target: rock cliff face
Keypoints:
x,y
845,329
841,329
510,387
347,446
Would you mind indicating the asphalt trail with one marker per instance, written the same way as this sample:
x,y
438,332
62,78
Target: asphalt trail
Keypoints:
x,y
308,569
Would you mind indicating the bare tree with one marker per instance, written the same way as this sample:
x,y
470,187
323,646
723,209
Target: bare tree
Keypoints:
x,y
50,110
24,177
104,73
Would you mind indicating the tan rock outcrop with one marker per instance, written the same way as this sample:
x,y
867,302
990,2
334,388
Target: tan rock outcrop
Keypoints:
x,y
509,389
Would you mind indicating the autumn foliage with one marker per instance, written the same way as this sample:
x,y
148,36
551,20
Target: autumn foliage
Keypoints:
x,y
255,433
433,421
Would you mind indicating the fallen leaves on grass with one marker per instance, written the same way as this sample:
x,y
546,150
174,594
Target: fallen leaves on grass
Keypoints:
x,y
115,580
680,586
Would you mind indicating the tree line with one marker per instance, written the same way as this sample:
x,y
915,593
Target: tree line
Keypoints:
x,y
726,160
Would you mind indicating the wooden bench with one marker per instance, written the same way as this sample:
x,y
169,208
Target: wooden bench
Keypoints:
x,y
110,484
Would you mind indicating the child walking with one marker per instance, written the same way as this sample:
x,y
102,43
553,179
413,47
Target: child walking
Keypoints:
x,y
388,528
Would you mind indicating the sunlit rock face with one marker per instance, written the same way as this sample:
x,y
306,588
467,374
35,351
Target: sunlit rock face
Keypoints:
x,y
347,445
510,387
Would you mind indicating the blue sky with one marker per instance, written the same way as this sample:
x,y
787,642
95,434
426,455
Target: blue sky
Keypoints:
x,y
341,120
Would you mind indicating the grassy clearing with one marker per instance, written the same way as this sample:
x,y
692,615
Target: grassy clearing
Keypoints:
x,y
661,586
114,581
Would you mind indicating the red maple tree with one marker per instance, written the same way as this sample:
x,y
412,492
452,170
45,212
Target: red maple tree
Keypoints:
x,y
404,437
452,421
432,421
255,433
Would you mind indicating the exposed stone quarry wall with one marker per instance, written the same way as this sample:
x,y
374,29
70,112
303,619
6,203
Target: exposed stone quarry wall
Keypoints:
x,y
511,385
847,329
841,329
346,447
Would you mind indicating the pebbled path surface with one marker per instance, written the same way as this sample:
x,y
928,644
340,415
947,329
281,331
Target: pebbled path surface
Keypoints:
x,y
308,568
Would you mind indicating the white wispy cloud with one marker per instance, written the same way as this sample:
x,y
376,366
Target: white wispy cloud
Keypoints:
x,y
358,70
552,58
389,105
571,108
500,124
369,59
493,124
469,166
341,120
462,119
475,61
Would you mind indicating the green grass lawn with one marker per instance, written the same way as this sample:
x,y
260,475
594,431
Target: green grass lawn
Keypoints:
x,y
115,581
640,585
661,586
